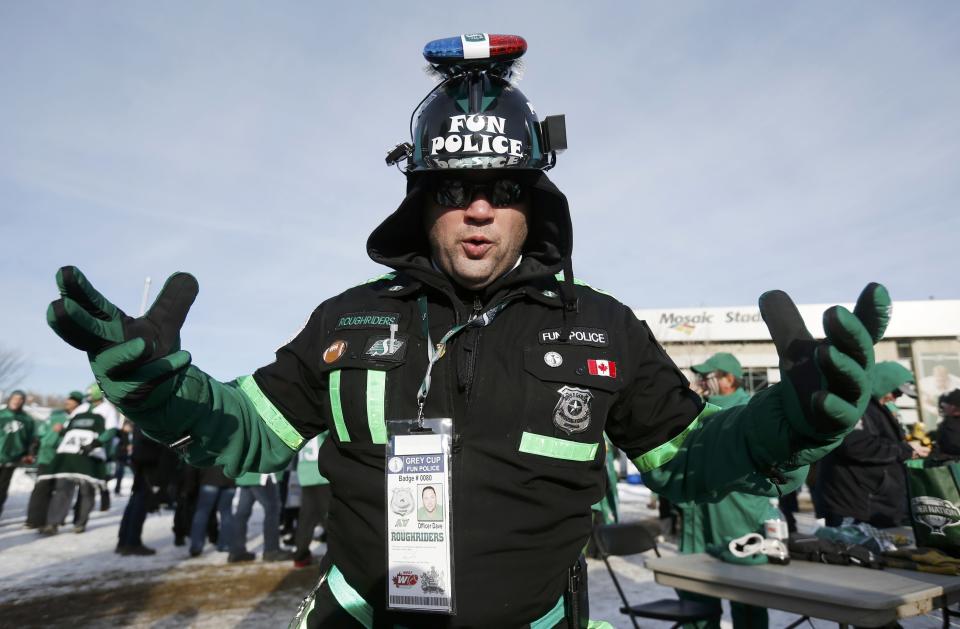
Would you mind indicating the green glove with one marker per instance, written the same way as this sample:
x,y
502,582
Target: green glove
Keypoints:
x,y
137,361
827,382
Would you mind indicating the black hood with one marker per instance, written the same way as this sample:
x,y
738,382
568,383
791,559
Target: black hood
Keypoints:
x,y
400,241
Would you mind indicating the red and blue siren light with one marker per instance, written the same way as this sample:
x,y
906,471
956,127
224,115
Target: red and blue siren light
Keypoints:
x,y
474,47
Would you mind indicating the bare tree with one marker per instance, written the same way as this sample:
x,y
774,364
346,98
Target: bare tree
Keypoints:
x,y
13,367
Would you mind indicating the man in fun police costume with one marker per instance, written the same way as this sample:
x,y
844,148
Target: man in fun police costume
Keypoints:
x,y
531,366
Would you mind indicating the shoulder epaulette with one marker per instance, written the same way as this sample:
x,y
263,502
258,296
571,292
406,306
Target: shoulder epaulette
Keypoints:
x,y
580,282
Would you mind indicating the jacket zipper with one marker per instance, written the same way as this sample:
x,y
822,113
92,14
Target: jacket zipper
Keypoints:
x,y
573,585
475,347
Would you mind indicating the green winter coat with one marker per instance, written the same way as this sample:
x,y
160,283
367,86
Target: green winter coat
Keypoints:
x,y
308,470
49,440
70,461
17,431
735,515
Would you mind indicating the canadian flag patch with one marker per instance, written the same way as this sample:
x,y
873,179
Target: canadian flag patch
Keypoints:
x,y
606,368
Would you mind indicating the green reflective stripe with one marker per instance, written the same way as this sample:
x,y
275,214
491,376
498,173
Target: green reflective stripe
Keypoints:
x,y
272,417
385,276
349,599
579,282
376,392
599,624
551,618
335,407
664,452
557,448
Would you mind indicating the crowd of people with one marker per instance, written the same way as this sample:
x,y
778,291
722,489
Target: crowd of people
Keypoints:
x,y
80,449
863,480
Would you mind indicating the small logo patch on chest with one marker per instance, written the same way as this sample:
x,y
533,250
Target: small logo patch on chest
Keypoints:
x,y
572,413
382,348
335,351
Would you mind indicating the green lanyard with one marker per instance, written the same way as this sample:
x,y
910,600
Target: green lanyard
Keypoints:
x,y
435,353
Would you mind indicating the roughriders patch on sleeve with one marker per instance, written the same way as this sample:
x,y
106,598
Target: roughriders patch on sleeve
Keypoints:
x,y
361,320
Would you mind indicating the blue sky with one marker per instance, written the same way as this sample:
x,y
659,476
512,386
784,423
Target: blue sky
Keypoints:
x,y
716,150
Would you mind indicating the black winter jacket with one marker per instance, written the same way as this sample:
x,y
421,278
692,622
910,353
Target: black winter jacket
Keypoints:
x,y
864,477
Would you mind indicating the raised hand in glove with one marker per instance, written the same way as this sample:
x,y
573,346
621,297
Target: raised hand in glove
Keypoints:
x,y
136,361
827,383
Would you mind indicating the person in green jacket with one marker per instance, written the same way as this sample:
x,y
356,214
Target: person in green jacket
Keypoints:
x,y
80,462
314,499
720,378
49,434
260,488
17,434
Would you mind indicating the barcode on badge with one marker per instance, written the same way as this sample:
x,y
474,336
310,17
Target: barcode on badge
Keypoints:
x,y
428,601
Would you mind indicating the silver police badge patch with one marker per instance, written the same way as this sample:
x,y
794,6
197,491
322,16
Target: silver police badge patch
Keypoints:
x,y
572,413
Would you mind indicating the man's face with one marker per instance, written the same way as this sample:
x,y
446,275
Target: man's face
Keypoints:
x,y
717,383
70,405
478,243
429,498
15,403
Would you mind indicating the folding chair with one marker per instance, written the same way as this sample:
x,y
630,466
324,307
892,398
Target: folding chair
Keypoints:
x,y
632,538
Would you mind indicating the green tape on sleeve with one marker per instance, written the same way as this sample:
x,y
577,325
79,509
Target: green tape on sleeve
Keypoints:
x,y
335,408
551,618
272,417
376,393
557,448
349,599
665,452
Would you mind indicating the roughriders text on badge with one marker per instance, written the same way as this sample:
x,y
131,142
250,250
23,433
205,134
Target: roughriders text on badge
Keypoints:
x,y
572,413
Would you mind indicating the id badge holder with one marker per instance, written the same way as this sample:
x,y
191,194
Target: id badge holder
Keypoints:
x,y
419,544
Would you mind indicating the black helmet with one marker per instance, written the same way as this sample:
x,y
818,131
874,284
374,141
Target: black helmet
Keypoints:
x,y
476,118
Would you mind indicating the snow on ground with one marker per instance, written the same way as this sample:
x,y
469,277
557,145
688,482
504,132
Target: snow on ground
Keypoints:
x,y
77,580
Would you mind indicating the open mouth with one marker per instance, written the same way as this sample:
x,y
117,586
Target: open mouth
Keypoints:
x,y
476,246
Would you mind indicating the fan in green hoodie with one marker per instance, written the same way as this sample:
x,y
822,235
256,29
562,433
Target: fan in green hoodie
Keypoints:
x,y
17,433
735,515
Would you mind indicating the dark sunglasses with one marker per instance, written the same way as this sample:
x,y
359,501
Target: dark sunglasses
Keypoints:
x,y
458,193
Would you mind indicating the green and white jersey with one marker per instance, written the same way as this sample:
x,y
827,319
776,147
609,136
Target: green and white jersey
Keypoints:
x,y
70,461
80,432
16,432
308,470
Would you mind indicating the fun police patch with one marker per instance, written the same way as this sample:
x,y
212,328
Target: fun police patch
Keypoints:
x,y
572,413
594,337
380,347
